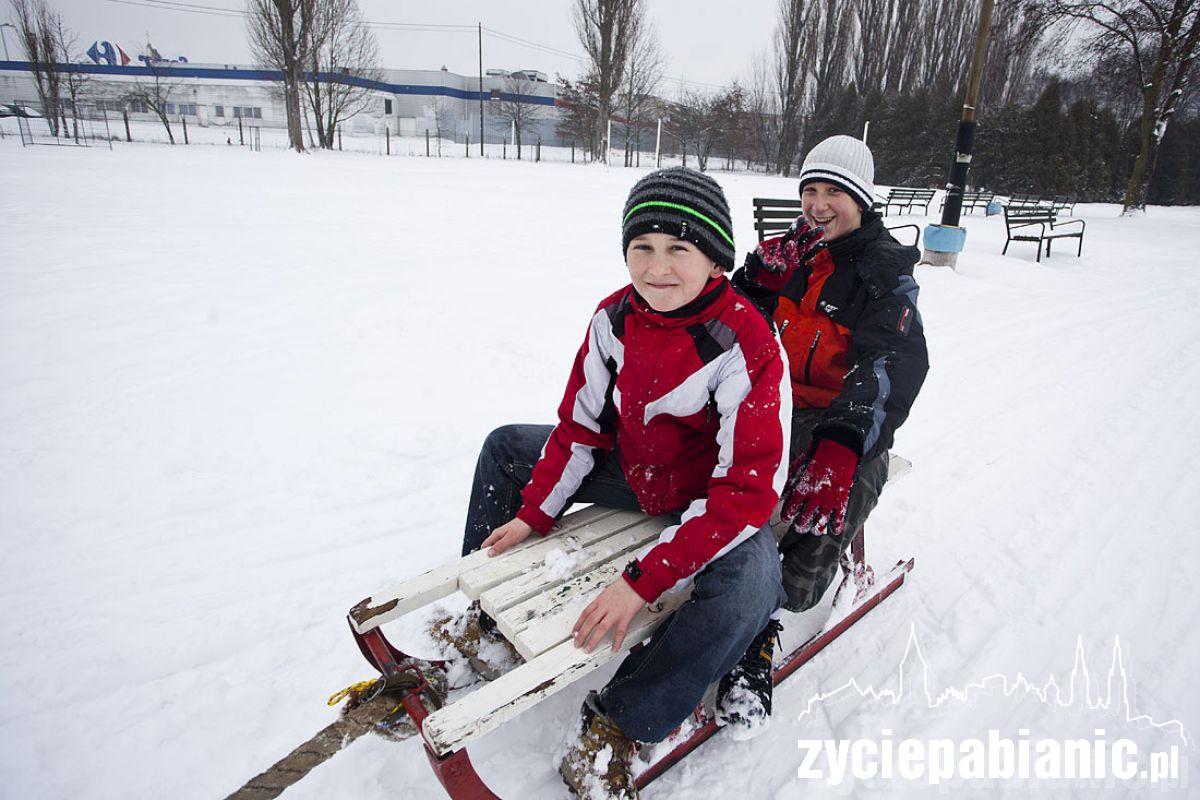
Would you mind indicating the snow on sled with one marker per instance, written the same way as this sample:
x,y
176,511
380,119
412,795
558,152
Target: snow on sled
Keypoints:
x,y
535,596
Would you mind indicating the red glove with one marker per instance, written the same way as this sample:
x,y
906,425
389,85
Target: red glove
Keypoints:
x,y
775,260
816,495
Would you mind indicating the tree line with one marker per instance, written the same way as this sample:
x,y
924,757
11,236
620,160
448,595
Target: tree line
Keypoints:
x,y
1089,97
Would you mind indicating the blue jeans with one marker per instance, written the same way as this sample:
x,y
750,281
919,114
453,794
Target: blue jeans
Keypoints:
x,y
656,688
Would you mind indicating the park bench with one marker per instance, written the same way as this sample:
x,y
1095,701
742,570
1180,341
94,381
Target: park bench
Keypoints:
x,y
907,199
535,592
773,216
1064,203
1026,201
972,201
1039,224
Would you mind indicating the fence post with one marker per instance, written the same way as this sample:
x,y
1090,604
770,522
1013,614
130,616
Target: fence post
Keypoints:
x,y
538,157
183,120
572,151
504,150
125,114
468,147
427,142
241,136
387,138
339,138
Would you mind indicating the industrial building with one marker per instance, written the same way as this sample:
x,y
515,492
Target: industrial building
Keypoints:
x,y
406,102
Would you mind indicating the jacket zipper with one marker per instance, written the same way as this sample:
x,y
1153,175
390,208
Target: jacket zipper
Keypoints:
x,y
812,351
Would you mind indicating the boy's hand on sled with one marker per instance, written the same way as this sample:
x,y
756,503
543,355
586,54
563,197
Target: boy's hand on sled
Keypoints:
x,y
615,607
816,496
510,533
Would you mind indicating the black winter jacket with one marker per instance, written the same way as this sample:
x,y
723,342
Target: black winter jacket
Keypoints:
x,y
872,293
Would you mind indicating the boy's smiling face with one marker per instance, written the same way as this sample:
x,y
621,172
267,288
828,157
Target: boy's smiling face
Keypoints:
x,y
668,272
832,208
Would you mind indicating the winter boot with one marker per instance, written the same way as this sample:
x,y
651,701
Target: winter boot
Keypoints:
x,y
597,764
744,694
473,634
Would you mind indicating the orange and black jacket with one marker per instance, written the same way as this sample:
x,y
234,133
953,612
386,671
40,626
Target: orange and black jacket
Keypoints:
x,y
853,336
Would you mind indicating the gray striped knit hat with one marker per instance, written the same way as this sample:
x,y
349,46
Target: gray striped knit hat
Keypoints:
x,y
843,161
683,203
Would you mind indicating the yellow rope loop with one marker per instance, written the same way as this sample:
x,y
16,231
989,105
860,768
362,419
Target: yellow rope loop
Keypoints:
x,y
353,690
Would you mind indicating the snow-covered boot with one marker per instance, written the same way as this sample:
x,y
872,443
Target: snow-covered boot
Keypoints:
x,y
744,694
597,764
473,634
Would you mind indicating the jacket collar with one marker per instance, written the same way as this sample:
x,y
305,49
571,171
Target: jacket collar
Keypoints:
x,y
852,244
708,304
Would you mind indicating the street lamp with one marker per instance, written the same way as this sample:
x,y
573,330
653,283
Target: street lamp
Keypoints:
x,y
4,25
944,242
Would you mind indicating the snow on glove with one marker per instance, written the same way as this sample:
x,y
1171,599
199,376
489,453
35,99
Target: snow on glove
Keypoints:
x,y
819,489
775,260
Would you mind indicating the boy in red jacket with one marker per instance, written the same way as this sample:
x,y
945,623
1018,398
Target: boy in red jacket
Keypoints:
x,y
678,403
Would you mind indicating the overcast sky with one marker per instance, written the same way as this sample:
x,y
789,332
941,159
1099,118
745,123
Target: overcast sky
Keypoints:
x,y
706,41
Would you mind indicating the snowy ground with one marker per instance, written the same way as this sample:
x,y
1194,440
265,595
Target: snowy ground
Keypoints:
x,y
240,391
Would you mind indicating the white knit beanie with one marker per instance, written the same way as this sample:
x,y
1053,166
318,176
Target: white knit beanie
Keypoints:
x,y
844,161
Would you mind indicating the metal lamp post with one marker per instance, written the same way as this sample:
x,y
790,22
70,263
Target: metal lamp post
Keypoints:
x,y
944,242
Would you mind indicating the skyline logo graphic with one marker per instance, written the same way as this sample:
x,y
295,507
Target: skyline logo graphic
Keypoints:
x,y
1076,693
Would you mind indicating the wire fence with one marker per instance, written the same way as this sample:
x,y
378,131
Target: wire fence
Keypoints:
x,y
106,122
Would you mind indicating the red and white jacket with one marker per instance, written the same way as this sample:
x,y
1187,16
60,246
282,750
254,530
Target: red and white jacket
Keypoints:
x,y
697,403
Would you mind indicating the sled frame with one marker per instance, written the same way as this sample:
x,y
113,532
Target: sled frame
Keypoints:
x,y
534,608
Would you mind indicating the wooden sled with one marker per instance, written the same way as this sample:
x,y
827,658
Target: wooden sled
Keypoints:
x,y
535,601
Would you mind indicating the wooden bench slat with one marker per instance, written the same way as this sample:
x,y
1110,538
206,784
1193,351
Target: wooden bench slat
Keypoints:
x,y
574,534
545,577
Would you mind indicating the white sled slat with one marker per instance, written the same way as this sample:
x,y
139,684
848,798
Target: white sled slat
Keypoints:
x,y
490,706
518,622
547,576
555,622
393,602
574,533
898,467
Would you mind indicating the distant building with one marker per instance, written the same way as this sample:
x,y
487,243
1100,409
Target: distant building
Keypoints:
x,y
407,102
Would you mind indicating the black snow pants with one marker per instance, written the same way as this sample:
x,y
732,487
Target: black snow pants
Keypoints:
x,y
810,563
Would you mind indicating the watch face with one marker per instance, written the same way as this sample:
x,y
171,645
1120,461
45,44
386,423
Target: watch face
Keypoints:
x,y
633,570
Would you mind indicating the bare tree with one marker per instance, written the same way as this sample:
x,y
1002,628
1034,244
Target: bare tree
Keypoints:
x,y
578,110
1160,38
343,58
703,121
1018,41
155,93
789,80
75,82
826,48
642,77
36,26
606,29
762,115
517,114
443,121
279,33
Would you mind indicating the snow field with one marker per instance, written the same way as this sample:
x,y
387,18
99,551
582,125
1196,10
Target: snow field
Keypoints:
x,y
240,391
